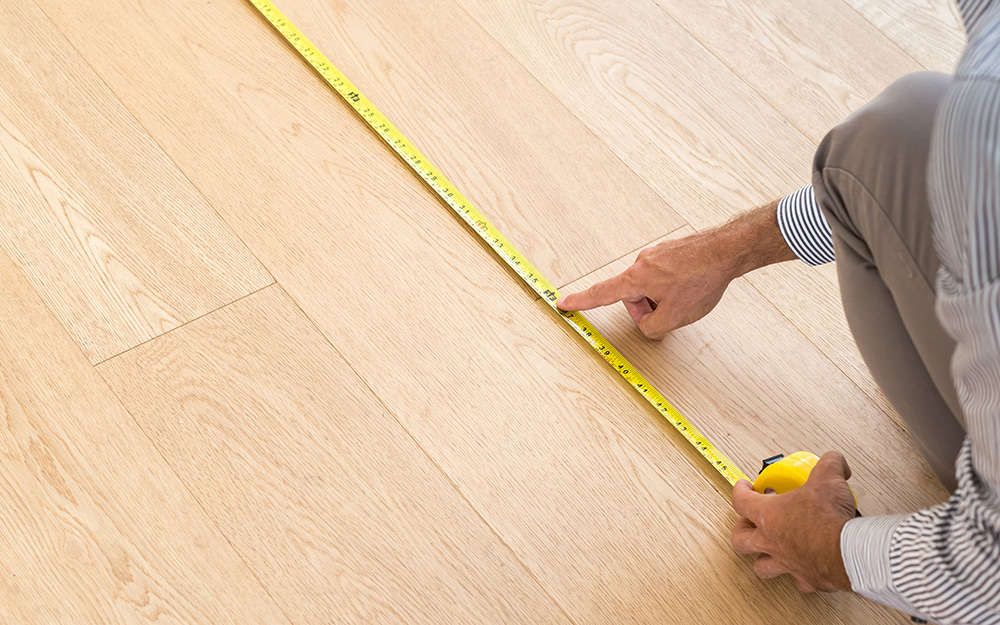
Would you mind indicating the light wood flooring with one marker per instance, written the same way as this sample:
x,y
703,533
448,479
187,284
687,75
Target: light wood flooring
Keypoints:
x,y
252,371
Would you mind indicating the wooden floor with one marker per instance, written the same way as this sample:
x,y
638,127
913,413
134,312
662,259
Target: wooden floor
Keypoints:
x,y
252,371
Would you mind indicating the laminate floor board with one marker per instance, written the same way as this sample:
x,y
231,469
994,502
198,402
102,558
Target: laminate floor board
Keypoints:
x,y
604,504
338,511
692,129
97,529
809,297
813,62
509,145
116,240
929,30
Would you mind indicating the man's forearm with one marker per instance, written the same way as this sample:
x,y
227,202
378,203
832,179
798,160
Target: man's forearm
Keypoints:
x,y
751,240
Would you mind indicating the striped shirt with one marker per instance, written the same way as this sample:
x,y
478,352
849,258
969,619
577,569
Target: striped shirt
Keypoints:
x,y
943,563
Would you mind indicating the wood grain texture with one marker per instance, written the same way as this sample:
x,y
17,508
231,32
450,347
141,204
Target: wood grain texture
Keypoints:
x,y
516,151
326,497
96,526
116,240
702,138
813,62
929,30
606,506
695,131
809,298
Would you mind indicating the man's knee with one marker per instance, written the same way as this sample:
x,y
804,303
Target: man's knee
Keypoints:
x,y
880,150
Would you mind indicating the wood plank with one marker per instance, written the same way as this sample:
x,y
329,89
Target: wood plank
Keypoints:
x,y
116,240
614,515
96,526
813,75
809,297
692,129
929,30
516,151
340,514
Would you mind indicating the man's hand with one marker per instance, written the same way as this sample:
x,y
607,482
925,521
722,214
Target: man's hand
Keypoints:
x,y
679,281
670,284
798,532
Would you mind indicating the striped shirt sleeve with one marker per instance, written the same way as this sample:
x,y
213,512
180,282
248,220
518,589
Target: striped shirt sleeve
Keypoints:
x,y
804,228
943,563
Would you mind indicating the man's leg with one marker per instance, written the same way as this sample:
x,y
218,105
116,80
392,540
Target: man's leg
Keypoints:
x,y
869,179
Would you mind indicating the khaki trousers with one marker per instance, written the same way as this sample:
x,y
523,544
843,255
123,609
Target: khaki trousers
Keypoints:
x,y
869,177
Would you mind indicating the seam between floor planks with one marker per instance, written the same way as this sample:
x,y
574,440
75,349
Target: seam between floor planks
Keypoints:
x,y
795,124
888,36
365,389
96,391
150,340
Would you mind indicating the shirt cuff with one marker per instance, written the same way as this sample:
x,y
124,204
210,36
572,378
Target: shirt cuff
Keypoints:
x,y
864,544
804,228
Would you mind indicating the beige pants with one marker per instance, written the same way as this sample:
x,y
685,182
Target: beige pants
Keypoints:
x,y
869,175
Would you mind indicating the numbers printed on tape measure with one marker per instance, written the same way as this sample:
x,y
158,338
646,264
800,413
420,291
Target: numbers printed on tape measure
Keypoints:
x,y
489,233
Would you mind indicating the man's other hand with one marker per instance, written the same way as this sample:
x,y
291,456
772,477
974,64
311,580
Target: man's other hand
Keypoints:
x,y
798,532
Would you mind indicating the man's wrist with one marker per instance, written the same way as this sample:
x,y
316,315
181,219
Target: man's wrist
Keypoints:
x,y
838,573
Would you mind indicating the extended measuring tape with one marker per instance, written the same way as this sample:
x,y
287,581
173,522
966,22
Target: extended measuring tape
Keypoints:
x,y
503,248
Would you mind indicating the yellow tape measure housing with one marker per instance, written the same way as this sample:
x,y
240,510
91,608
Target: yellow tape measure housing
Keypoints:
x,y
482,226
781,474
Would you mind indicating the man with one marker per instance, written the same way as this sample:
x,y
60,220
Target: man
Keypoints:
x,y
906,195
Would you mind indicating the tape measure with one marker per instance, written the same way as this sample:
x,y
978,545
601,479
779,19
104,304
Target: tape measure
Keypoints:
x,y
781,474
482,226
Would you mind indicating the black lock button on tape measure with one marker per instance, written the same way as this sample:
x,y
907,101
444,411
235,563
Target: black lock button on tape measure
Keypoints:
x,y
779,476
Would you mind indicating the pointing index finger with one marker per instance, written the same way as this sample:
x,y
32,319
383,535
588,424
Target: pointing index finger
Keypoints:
x,y
601,294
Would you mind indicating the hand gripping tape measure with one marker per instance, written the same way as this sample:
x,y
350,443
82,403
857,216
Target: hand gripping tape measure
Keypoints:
x,y
779,474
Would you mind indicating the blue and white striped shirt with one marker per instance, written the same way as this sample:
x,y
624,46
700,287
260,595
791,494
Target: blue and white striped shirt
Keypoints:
x,y
943,563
